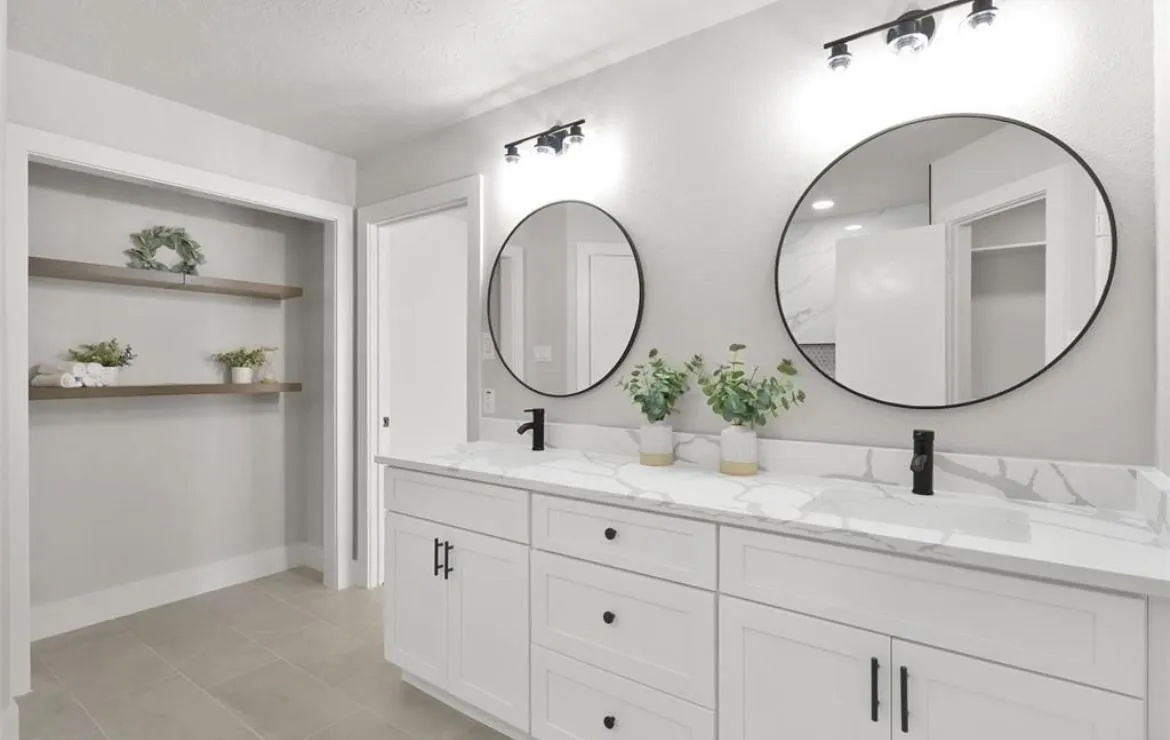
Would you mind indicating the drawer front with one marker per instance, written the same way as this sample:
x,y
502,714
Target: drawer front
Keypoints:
x,y
493,510
575,701
664,546
657,633
1087,636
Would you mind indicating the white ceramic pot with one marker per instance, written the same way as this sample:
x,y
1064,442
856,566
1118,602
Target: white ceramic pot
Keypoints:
x,y
110,375
739,450
656,444
243,375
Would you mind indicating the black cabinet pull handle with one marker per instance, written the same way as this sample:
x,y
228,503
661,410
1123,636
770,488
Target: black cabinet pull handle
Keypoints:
x,y
904,677
874,702
610,533
608,617
610,721
438,566
447,569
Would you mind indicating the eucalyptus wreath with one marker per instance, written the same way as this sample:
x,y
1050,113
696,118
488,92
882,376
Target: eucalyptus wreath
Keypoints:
x,y
147,243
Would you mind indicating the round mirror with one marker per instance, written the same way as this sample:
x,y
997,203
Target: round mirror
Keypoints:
x,y
946,261
565,298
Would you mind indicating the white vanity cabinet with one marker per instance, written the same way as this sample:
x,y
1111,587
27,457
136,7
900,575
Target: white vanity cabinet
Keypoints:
x,y
456,614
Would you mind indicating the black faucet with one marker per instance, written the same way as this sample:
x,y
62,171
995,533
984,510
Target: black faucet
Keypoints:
x,y
923,462
536,426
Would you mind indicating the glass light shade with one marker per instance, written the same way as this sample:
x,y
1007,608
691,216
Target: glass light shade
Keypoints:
x,y
512,156
840,58
544,146
909,44
980,20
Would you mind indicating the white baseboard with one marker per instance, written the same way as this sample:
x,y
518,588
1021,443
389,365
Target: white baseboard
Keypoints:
x,y
10,722
82,611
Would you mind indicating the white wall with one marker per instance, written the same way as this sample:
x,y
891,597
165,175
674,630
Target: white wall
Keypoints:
x,y
53,98
701,148
127,489
1162,176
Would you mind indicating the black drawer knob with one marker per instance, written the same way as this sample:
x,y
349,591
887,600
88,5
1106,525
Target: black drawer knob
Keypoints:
x,y
609,722
608,617
610,533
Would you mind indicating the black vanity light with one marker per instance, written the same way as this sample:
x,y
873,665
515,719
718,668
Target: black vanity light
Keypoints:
x,y
552,141
912,32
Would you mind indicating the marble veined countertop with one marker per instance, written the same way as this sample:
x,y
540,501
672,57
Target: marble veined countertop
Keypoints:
x,y
1073,544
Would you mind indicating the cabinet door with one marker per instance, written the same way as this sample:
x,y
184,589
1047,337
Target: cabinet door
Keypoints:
x,y
783,675
943,696
488,625
415,614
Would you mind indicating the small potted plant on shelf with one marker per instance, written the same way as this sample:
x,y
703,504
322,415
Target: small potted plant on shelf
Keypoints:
x,y
746,401
243,362
110,355
656,388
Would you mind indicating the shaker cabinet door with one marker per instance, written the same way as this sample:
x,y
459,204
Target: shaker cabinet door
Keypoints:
x,y
415,613
784,675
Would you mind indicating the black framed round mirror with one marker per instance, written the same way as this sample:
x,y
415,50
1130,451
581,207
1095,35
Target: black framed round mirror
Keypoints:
x,y
946,261
565,298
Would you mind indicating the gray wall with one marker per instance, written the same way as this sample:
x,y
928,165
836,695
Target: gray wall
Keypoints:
x,y
702,147
127,489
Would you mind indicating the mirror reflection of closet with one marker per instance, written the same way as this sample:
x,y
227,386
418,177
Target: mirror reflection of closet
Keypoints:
x,y
945,261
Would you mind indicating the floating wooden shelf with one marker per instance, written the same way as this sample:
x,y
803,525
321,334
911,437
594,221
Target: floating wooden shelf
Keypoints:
x,y
91,273
38,393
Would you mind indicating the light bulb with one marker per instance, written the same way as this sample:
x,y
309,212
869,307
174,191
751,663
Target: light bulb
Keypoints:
x,y
907,38
982,16
575,138
840,58
512,154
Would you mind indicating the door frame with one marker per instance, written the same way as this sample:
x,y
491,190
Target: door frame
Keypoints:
x,y
27,145
464,192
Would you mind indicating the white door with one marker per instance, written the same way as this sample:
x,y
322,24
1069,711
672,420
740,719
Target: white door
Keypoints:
x,y
422,332
416,598
892,315
783,675
607,308
487,621
952,697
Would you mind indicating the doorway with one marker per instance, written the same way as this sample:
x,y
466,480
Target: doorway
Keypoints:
x,y
418,302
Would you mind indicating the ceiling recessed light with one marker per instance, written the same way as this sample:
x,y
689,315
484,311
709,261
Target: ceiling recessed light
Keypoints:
x,y
853,227
822,205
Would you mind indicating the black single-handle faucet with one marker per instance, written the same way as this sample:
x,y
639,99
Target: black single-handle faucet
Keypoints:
x,y
923,462
536,426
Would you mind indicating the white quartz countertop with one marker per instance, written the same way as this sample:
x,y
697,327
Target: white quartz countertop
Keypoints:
x,y
1075,544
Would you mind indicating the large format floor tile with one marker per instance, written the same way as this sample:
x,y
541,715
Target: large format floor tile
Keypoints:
x,y
280,658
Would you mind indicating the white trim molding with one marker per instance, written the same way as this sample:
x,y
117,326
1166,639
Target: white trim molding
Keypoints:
x,y
82,611
9,721
465,192
24,145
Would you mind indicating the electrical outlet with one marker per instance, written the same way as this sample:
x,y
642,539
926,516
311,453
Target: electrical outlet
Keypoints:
x,y
489,349
489,400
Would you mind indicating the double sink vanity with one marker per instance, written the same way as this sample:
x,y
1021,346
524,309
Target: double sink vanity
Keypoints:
x,y
566,595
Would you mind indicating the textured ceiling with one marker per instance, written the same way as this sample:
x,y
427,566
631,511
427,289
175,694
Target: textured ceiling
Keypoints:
x,y
351,75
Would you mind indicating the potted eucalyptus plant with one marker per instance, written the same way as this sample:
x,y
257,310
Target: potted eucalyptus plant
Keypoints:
x,y
656,387
110,354
244,362
746,401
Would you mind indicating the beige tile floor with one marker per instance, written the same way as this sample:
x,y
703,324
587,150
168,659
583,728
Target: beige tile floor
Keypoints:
x,y
279,658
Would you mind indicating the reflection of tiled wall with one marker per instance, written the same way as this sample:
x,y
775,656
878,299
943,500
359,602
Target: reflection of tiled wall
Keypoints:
x,y
1113,487
824,356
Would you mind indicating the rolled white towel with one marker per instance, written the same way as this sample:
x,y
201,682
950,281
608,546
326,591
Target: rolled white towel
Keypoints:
x,y
91,381
75,369
56,380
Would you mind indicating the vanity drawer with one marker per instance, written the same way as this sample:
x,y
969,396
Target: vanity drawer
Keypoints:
x,y
1092,637
664,546
574,701
479,507
657,633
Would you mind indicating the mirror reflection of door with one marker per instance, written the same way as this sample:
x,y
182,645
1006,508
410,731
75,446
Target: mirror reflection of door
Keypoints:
x,y
945,261
606,296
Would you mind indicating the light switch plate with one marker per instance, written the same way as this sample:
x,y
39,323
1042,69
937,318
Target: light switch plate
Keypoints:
x,y
489,400
542,353
489,349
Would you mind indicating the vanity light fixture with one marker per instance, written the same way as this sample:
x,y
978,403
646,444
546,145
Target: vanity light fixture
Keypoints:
x,y
555,140
823,205
911,33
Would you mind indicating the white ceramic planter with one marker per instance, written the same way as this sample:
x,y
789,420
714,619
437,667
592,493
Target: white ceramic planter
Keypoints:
x,y
656,444
110,375
243,375
739,450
